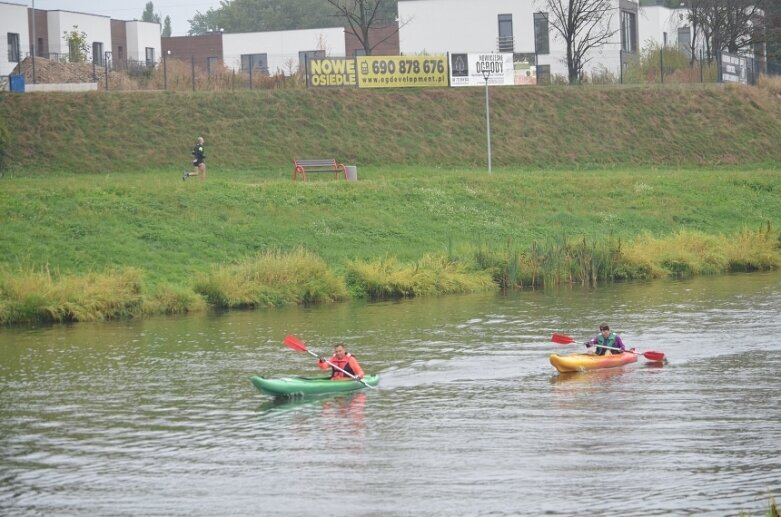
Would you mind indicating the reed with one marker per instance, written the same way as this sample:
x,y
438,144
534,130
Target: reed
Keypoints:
x,y
431,275
43,296
271,279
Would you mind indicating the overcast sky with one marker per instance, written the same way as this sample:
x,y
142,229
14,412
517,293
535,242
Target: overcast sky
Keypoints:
x,y
179,10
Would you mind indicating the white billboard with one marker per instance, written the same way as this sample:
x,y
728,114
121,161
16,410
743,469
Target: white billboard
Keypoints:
x,y
474,69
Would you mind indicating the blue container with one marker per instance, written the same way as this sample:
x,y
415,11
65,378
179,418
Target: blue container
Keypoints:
x,y
16,83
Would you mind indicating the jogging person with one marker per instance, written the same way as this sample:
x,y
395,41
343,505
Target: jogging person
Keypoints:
x,y
199,161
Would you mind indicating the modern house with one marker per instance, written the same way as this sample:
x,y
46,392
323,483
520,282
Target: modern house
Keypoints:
x,y
274,52
526,30
14,36
44,32
521,28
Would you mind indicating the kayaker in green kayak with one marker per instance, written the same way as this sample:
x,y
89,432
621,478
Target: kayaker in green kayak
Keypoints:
x,y
343,360
605,338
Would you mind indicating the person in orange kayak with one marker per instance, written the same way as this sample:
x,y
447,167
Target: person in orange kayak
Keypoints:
x,y
343,360
605,338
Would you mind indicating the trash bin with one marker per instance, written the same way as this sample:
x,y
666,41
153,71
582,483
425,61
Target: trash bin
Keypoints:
x,y
352,172
16,83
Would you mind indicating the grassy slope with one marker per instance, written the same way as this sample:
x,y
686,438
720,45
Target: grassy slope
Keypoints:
x,y
150,219
262,130
171,229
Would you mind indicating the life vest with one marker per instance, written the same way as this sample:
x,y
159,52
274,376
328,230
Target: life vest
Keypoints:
x,y
610,341
345,363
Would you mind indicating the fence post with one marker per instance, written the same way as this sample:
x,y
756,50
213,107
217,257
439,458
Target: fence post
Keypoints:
x,y
621,66
702,75
251,66
192,61
106,57
165,72
661,64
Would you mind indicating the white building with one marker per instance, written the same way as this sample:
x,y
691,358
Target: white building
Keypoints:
x,y
143,42
280,51
14,36
440,26
662,26
19,26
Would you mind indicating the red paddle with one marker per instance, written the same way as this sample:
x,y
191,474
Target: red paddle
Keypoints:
x,y
566,340
299,346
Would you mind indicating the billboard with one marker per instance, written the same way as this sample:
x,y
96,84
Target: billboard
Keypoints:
x,y
335,71
401,71
472,69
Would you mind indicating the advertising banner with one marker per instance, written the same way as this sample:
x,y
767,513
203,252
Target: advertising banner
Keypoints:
x,y
468,69
401,71
335,71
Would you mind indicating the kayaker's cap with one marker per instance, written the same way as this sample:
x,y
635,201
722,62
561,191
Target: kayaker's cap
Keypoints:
x,y
604,326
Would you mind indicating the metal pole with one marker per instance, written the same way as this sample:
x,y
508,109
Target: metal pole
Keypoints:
x,y
106,57
35,42
165,71
486,75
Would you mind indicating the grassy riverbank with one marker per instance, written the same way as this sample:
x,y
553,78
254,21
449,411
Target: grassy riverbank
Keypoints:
x,y
86,247
589,185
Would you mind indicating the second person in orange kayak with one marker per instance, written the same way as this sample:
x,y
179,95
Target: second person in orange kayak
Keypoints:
x,y
343,360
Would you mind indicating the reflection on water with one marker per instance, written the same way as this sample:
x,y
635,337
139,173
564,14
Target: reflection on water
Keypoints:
x,y
159,416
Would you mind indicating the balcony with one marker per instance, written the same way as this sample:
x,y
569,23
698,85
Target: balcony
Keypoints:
x,y
505,43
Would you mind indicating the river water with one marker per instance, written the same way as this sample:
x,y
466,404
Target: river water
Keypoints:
x,y
158,417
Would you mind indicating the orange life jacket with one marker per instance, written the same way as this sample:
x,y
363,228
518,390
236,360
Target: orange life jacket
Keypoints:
x,y
348,363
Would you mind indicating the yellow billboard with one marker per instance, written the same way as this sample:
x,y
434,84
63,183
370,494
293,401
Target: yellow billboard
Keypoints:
x,y
401,71
338,71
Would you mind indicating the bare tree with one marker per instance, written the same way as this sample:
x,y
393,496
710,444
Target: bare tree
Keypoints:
x,y
364,15
729,25
583,25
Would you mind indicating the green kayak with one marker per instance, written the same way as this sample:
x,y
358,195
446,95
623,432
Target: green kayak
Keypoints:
x,y
300,386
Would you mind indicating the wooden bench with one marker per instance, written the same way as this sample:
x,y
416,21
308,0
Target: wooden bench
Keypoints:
x,y
304,167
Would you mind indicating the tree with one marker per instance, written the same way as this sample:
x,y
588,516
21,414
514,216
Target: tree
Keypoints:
x,y
363,15
149,14
583,25
263,15
730,25
166,27
77,44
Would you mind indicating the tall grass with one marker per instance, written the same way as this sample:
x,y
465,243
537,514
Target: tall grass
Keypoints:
x,y
688,253
431,275
275,278
272,279
43,296
657,64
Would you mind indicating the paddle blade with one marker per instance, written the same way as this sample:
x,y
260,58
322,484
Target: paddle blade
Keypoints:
x,y
561,339
295,343
654,356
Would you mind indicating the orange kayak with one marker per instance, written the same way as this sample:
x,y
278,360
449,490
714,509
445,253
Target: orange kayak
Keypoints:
x,y
583,362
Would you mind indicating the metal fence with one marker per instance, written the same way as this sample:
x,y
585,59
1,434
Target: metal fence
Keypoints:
x,y
661,66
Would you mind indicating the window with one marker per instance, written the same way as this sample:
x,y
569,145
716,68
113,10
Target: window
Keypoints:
x,y
39,52
541,34
150,56
543,74
628,31
684,40
306,55
211,64
506,33
359,52
97,53
256,62
13,47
